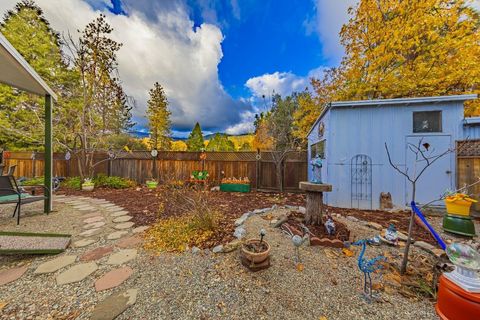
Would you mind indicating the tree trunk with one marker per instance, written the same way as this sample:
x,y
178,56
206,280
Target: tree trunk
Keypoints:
x,y
314,208
403,267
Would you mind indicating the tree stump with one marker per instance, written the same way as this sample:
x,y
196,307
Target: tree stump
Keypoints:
x,y
314,206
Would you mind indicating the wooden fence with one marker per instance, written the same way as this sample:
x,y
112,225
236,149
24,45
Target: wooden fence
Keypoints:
x,y
468,167
139,166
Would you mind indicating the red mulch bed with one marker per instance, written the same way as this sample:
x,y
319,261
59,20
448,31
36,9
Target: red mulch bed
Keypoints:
x,y
384,218
342,232
144,203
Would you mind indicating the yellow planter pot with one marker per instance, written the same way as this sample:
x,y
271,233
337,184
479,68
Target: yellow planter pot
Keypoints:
x,y
459,207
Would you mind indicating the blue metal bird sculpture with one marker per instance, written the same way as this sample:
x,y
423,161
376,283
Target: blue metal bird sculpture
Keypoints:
x,y
367,266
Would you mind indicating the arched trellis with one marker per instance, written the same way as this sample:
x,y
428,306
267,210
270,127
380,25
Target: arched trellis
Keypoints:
x,y
361,181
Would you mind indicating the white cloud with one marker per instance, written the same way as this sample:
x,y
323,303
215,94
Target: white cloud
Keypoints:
x,y
282,83
166,49
327,23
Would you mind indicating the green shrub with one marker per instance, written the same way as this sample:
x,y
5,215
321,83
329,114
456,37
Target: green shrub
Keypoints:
x,y
113,182
33,182
72,183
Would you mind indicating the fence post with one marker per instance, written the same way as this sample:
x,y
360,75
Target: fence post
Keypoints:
x,y
33,157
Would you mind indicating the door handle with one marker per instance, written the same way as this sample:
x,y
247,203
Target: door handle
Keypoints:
x,y
448,172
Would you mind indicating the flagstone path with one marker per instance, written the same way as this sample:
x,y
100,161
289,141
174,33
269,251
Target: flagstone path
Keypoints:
x,y
103,243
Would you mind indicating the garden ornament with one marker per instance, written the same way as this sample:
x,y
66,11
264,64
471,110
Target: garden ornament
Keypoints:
x,y
391,234
367,266
263,232
316,169
329,225
297,240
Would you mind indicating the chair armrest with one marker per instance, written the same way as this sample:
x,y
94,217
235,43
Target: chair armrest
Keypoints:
x,y
14,192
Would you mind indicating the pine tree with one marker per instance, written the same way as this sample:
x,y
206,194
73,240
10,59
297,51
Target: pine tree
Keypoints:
x,y
158,118
220,142
22,114
195,140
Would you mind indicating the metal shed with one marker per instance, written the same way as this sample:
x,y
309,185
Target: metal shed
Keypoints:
x,y
16,72
351,135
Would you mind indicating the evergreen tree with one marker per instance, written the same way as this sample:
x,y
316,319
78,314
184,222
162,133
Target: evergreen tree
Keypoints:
x,y
220,142
195,140
158,118
22,114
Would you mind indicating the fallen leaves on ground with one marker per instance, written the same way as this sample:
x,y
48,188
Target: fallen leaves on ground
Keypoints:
x,y
348,252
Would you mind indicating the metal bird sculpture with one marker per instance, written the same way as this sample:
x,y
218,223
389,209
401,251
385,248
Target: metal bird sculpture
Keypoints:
x,y
367,266
296,239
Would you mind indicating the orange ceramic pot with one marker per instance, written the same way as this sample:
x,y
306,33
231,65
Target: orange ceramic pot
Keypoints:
x,y
454,303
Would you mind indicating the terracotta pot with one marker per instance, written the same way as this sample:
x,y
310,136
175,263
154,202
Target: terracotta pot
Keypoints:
x,y
253,256
454,303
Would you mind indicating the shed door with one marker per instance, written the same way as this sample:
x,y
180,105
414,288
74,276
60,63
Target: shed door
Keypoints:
x,y
438,177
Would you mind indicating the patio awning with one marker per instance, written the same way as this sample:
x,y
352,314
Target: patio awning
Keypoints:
x,y
16,72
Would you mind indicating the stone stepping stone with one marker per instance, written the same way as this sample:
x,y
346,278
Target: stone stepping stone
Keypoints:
x,y
11,275
87,209
119,213
94,225
116,235
113,278
115,209
90,215
90,232
122,256
93,219
84,243
82,206
77,273
114,305
140,229
129,242
124,225
108,204
55,264
96,254
122,219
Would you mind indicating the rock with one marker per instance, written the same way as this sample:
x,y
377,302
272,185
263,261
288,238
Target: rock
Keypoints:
x,y
438,252
95,218
374,225
77,273
55,264
113,278
352,218
402,236
119,213
129,242
96,253
83,243
280,221
114,305
90,232
302,210
94,225
242,219
140,229
232,246
122,219
239,233
11,275
124,225
122,256
116,235
425,246
217,249
275,207
287,206
216,188
196,250
273,222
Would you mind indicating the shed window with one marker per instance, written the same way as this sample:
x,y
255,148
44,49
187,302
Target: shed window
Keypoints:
x,y
427,121
318,149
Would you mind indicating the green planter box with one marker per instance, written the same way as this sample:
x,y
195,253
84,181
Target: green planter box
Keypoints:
x,y
234,187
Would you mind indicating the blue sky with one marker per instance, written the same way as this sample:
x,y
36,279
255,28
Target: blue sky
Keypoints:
x,y
214,58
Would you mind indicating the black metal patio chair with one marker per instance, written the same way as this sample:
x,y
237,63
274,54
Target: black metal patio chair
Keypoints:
x,y
10,193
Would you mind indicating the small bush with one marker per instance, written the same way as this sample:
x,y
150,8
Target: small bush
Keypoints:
x,y
33,182
113,182
72,183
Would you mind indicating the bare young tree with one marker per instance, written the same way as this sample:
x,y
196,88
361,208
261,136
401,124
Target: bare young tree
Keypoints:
x,y
425,157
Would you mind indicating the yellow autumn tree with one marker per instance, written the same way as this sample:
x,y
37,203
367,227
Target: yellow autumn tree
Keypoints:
x,y
410,48
262,139
308,110
158,118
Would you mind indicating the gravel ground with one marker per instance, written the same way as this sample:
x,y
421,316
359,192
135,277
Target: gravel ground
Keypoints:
x,y
207,285
22,242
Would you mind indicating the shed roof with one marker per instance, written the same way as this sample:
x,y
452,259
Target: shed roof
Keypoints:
x,y
396,101
16,72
